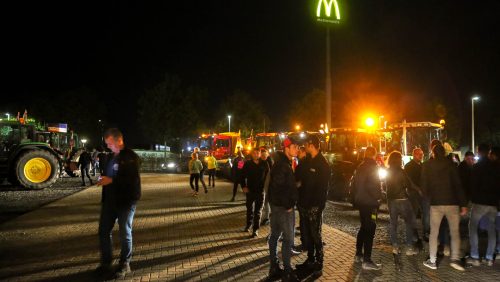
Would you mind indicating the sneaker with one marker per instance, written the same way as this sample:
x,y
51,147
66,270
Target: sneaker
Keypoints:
x,y
103,270
473,261
123,270
247,228
265,222
456,264
430,264
233,199
369,265
358,258
306,265
289,276
411,251
488,262
395,250
206,191
275,272
317,270
296,251
446,251
255,234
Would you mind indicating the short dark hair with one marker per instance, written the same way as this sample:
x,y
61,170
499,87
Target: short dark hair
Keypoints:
x,y
469,154
395,159
483,149
370,152
435,142
438,151
314,140
113,132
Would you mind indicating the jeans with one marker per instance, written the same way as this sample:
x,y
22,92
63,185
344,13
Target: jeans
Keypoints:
x,y
202,173
235,187
453,216
254,202
109,215
311,222
404,209
477,212
196,178
366,233
211,177
282,223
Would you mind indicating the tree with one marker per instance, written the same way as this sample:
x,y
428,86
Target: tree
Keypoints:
x,y
246,114
309,111
167,111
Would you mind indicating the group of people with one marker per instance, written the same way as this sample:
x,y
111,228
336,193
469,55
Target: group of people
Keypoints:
x,y
282,185
197,171
441,191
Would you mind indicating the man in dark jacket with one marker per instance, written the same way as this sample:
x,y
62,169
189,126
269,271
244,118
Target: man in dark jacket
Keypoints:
x,y
367,198
283,196
484,198
419,203
465,173
253,178
312,200
236,169
264,155
84,163
121,190
441,184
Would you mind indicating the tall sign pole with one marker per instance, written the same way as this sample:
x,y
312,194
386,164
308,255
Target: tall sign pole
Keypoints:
x,y
328,12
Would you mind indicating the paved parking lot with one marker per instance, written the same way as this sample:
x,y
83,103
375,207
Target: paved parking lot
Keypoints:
x,y
178,237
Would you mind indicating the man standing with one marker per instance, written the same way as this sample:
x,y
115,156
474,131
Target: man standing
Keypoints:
x,y
283,195
236,168
84,163
419,203
212,169
441,184
484,198
312,200
121,190
253,180
264,155
465,173
367,198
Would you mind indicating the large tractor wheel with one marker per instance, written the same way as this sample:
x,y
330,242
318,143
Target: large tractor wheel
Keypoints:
x,y
37,169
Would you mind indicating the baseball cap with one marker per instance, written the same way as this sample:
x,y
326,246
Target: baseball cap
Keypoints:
x,y
287,142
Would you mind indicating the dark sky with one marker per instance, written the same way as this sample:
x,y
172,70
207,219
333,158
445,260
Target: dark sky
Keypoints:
x,y
271,49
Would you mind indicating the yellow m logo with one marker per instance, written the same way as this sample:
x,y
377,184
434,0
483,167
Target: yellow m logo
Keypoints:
x,y
327,5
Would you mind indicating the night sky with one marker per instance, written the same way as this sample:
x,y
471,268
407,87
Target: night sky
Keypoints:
x,y
272,49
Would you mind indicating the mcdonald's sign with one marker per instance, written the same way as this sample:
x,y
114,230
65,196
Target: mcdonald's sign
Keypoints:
x,y
327,11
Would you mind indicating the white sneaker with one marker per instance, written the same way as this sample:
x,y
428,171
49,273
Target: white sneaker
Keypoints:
x,y
457,265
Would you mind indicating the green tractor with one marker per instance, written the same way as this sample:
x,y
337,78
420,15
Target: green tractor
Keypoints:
x,y
23,159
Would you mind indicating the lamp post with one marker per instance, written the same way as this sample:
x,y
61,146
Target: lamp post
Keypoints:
x,y
229,119
475,98
84,141
8,116
380,138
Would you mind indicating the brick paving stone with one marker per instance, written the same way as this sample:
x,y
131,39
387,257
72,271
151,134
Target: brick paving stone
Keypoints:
x,y
178,237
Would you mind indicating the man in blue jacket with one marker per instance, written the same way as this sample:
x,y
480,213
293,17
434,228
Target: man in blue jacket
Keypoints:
x,y
121,190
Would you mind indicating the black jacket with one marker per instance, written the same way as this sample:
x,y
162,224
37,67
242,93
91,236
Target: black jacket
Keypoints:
x,y
237,168
398,184
366,185
125,190
441,184
282,188
465,174
254,176
314,176
485,183
84,159
414,171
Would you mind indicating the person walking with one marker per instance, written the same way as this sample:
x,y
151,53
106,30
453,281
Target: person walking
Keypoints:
x,y
102,159
283,196
84,163
196,150
441,184
367,199
484,197
253,179
312,201
398,186
121,190
236,168
264,155
212,169
195,166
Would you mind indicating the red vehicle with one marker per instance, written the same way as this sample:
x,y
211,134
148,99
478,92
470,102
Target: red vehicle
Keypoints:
x,y
225,145
270,140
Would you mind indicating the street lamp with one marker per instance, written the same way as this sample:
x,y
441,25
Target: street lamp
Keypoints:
x,y
84,141
369,122
8,116
475,98
229,118
380,138
297,127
